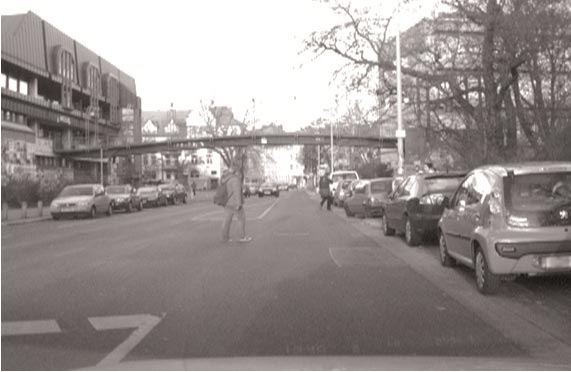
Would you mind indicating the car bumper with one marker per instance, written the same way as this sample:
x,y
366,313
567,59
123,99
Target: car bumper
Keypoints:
x,y
375,210
150,201
70,211
532,252
120,204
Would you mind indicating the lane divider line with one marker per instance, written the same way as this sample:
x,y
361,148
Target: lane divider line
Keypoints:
x,y
30,327
268,210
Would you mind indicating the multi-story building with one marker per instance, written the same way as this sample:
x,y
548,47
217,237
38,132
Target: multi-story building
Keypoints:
x,y
58,95
163,126
203,166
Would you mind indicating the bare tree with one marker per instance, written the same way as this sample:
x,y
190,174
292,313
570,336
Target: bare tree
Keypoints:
x,y
479,74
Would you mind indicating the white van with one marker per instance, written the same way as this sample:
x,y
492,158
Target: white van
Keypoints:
x,y
340,176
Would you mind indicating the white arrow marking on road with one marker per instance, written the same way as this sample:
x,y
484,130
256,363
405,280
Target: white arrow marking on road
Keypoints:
x,y
30,327
144,324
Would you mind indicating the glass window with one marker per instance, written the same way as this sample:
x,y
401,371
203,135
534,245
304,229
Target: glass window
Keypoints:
x,y
12,84
381,186
4,77
23,87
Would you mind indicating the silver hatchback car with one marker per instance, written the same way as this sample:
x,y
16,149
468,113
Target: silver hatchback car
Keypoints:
x,y
505,220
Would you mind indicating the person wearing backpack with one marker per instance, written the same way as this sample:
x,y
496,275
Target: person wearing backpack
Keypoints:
x,y
231,182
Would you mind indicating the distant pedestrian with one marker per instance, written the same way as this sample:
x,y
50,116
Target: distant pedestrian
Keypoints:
x,y
193,188
234,205
325,191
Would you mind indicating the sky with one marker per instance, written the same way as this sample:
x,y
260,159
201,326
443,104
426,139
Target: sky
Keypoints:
x,y
243,54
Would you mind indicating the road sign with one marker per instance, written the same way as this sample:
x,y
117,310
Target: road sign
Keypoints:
x,y
400,133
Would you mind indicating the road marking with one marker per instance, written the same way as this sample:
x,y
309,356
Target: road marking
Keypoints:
x,y
268,210
143,322
333,257
291,233
30,327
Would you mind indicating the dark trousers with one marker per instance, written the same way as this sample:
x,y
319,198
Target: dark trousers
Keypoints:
x,y
326,198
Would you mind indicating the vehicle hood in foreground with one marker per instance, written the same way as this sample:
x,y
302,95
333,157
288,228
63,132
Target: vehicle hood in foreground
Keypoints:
x,y
342,363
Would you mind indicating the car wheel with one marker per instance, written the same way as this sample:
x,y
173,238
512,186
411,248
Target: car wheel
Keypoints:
x,y
486,281
410,235
55,217
387,231
348,212
445,258
140,206
184,200
109,210
92,212
367,213
129,209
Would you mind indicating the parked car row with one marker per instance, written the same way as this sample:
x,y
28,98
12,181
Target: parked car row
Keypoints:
x,y
267,189
88,200
499,220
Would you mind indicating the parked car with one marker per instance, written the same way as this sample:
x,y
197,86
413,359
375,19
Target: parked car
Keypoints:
x,y
124,197
268,189
341,175
292,186
341,192
415,206
507,220
366,197
81,200
174,192
282,187
152,195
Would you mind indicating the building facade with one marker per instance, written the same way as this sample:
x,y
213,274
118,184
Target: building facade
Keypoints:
x,y
201,166
58,95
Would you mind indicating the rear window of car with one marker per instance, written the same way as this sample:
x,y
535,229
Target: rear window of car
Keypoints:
x,y
381,186
147,189
344,176
444,184
117,190
538,194
166,187
77,191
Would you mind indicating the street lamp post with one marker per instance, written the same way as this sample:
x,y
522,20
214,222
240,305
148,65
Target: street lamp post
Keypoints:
x,y
400,134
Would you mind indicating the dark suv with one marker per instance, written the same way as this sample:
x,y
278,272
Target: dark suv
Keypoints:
x,y
174,192
124,197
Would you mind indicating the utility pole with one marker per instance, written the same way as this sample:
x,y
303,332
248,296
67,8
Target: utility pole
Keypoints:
x,y
331,126
101,162
400,134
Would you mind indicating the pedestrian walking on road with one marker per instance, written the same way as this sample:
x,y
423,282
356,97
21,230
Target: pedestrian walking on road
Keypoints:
x,y
193,188
325,191
234,206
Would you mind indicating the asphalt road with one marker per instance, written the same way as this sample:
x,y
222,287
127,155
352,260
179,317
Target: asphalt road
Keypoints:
x,y
159,284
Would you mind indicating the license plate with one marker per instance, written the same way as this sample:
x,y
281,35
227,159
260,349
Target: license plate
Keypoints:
x,y
556,262
267,192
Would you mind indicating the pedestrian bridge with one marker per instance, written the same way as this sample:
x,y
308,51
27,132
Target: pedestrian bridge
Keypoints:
x,y
227,141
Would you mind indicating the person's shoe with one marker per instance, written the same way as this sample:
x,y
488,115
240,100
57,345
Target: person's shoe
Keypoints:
x,y
245,239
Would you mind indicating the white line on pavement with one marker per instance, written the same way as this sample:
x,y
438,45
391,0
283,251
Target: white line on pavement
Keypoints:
x,y
268,210
31,327
333,257
144,324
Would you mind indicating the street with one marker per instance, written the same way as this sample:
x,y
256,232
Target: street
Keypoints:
x,y
159,285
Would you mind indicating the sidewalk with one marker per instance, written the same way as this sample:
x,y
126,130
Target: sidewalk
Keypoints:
x,y
14,215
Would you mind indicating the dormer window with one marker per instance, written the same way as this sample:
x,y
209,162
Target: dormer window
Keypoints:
x,y
65,67
92,78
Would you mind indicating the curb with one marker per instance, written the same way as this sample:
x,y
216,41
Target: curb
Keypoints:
x,y
25,220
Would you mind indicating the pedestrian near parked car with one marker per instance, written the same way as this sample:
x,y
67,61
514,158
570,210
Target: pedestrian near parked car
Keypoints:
x,y
234,205
325,191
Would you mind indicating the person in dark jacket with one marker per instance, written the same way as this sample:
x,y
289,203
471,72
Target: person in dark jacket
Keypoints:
x,y
235,205
325,191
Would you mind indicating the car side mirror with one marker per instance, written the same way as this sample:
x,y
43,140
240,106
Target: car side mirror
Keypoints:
x,y
445,203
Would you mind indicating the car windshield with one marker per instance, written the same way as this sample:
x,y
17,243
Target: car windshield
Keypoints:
x,y
381,186
77,191
539,192
343,176
442,185
117,190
